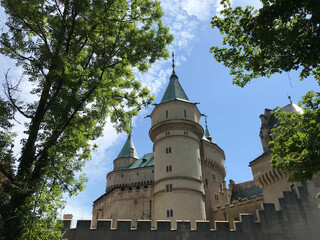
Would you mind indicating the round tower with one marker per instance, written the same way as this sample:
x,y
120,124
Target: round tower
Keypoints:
x,y
176,133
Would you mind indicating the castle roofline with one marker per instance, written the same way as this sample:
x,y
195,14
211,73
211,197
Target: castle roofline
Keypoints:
x,y
174,91
126,149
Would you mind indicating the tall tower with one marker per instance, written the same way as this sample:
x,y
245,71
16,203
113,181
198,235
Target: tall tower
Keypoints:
x,y
176,133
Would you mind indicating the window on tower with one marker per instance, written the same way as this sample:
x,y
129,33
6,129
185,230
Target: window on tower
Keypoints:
x,y
185,113
167,114
170,168
214,177
169,149
167,168
216,197
169,188
170,213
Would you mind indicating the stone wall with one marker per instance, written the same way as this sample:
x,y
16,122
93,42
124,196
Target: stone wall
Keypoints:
x,y
298,219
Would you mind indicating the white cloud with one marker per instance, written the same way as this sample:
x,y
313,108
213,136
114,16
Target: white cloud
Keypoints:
x,y
201,9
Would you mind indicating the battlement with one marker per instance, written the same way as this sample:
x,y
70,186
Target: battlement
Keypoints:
x,y
299,218
235,204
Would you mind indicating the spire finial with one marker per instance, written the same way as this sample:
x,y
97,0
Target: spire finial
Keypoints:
x,y
173,63
289,97
130,127
206,121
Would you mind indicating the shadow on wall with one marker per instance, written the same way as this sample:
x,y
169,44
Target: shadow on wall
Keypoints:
x,y
298,219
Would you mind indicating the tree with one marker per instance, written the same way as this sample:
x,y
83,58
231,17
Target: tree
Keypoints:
x,y
281,36
81,57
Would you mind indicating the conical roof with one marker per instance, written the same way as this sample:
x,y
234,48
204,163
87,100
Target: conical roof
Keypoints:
x,y
174,91
207,135
125,151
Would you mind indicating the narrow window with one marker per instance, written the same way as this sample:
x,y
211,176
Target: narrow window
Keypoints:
x,y
214,177
168,213
122,175
167,114
137,173
186,133
216,197
170,188
171,213
206,182
169,149
167,188
185,113
167,168
170,168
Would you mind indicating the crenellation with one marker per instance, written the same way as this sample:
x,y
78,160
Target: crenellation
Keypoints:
x,y
271,225
83,224
104,225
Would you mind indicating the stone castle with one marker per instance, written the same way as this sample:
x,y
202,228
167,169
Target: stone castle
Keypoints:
x,y
184,177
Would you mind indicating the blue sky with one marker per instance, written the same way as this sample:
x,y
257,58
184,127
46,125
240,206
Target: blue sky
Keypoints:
x,y
233,112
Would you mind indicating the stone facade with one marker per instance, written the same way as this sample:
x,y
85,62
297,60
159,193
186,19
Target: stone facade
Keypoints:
x,y
298,219
184,179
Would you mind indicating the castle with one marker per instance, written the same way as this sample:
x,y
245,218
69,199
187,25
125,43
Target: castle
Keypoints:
x,y
184,177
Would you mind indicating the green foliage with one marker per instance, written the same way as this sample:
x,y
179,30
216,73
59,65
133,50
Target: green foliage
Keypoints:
x,y
81,56
281,36
296,148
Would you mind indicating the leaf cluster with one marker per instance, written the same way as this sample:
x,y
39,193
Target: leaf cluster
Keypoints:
x,y
296,148
281,36
81,57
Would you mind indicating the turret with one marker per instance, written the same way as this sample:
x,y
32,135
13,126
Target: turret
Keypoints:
x,y
127,155
176,133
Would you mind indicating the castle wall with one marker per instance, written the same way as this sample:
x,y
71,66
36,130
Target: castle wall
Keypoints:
x,y
132,177
175,110
272,181
124,203
231,212
299,219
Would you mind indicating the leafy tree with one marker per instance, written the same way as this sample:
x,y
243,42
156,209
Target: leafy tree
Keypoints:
x,y
80,57
281,36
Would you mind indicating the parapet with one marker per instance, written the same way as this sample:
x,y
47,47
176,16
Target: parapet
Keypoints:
x,y
298,219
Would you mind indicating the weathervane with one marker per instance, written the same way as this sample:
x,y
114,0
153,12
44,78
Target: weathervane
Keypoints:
x,y
289,97
173,63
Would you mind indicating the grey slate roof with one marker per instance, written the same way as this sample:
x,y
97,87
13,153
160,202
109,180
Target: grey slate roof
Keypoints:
x,y
146,161
244,190
174,91
125,151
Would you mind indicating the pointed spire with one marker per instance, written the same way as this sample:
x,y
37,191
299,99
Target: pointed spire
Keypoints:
x,y
128,149
173,72
174,90
207,133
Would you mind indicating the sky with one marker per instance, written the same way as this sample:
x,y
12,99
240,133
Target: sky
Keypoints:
x,y
233,112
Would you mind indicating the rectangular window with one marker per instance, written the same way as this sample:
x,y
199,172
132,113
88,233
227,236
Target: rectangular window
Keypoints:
x,y
167,114
170,168
186,133
214,177
216,197
185,113
168,213
169,188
